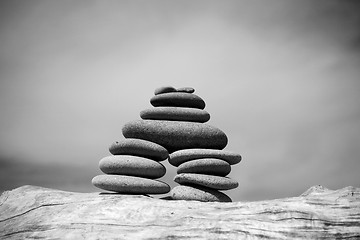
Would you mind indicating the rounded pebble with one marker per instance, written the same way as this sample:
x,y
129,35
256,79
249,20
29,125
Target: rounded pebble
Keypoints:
x,y
198,193
139,147
209,166
176,114
176,135
181,156
186,89
132,165
215,182
165,89
177,99
130,184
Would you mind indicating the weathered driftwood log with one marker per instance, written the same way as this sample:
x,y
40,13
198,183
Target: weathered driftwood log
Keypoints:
x,y
33,212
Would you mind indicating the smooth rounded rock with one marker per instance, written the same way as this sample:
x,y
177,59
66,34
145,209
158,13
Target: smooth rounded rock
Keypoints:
x,y
186,89
198,193
130,184
176,114
177,99
139,147
165,89
176,135
181,156
210,181
209,166
132,166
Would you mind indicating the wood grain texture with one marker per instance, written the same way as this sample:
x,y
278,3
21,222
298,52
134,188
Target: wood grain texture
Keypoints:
x,y
31,212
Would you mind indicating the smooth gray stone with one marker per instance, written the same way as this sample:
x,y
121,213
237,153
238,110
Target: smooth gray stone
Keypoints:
x,y
132,166
209,166
176,135
198,193
130,184
181,156
176,114
139,147
186,89
177,99
165,89
210,181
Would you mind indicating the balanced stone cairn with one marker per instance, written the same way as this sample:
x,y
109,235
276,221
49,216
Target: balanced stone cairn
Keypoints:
x,y
175,125
133,168
202,173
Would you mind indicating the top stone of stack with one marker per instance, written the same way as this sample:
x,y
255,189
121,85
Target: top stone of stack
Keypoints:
x,y
176,122
177,99
168,89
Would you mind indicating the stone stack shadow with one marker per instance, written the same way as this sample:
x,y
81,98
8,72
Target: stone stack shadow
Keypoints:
x,y
175,129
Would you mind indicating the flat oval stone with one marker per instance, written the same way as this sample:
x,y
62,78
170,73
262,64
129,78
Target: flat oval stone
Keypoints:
x,y
215,182
176,135
198,193
165,89
181,156
130,184
209,166
177,99
186,89
139,147
132,166
176,114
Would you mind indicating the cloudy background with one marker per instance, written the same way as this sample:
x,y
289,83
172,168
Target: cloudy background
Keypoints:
x,y
280,78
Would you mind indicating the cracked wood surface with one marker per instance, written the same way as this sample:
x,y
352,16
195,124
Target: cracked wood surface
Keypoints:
x,y
31,212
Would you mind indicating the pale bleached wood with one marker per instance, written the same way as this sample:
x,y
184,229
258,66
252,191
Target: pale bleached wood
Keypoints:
x,y
31,212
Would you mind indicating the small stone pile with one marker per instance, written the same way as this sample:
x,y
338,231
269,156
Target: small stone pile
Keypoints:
x,y
202,173
177,125
133,168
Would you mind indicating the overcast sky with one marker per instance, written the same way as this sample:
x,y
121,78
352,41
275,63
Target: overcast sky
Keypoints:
x,y
280,78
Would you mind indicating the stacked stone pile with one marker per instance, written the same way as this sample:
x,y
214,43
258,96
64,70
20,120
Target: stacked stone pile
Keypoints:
x,y
176,122
133,168
202,173
177,125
